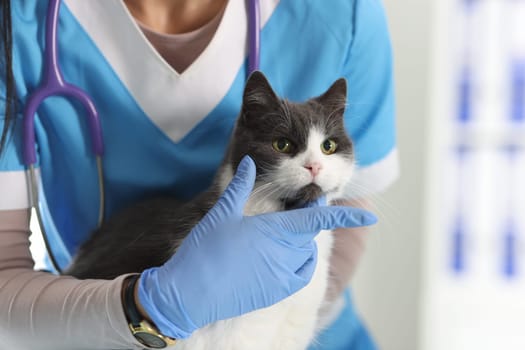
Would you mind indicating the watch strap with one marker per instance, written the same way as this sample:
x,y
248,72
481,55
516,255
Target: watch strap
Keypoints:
x,y
130,307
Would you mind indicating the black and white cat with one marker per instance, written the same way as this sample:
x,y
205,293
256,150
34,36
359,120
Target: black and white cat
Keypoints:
x,y
301,151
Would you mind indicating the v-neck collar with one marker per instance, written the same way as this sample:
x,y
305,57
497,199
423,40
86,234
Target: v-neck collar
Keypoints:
x,y
174,102
181,50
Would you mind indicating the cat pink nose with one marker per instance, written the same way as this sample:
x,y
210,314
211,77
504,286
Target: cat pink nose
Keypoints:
x,y
313,168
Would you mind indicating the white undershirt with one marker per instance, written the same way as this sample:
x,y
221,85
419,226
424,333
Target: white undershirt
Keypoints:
x,y
181,50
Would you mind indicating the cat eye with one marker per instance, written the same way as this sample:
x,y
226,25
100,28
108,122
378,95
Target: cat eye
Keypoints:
x,y
328,146
282,145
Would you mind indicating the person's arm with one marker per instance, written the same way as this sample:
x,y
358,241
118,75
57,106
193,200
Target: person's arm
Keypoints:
x,y
349,246
43,311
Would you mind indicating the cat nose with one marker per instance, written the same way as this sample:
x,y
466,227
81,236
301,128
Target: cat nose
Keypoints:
x,y
313,168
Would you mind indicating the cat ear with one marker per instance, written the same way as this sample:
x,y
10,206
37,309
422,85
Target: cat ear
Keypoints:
x,y
259,96
334,99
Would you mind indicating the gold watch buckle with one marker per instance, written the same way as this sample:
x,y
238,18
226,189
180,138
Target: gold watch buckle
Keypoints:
x,y
148,335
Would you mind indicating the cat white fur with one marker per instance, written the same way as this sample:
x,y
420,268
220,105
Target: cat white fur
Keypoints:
x,y
292,323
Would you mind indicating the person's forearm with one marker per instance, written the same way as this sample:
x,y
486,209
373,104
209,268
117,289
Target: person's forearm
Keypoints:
x,y
349,245
42,311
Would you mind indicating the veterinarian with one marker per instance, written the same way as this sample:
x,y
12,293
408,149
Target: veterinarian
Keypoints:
x,y
166,78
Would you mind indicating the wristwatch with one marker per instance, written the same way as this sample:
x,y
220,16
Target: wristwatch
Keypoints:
x,y
145,332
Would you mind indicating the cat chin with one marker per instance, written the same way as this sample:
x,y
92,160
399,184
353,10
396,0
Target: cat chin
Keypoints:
x,y
306,194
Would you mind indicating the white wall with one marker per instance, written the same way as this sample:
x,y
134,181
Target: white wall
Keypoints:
x,y
388,283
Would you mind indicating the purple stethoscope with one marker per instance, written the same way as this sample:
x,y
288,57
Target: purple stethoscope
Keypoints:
x,y
53,84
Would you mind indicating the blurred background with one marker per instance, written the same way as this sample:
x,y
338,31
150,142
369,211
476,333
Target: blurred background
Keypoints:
x,y
444,268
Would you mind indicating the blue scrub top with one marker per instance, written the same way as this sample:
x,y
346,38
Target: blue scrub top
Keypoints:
x,y
347,332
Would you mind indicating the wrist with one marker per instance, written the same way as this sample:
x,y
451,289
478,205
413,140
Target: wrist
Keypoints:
x,y
141,327
140,309
170,317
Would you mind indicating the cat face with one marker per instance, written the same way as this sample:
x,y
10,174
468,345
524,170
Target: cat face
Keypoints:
x,y
301,150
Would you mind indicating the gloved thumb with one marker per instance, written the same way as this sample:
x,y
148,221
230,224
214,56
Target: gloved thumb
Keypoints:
x,y
238,191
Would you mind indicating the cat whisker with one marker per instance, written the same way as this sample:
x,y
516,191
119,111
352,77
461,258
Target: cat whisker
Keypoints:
x,y
263,191
387,220
263,187
277,191
378,205
362,190
273,193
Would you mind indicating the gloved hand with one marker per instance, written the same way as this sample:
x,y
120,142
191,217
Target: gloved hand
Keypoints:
x,y
232,264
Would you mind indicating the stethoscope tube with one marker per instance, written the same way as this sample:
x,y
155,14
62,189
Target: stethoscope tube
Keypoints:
x,y
53,84
254,33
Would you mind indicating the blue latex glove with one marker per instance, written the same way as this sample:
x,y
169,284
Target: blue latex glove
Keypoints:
x,y
232,264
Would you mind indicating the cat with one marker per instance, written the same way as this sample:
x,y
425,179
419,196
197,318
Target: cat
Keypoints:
x,y
301,152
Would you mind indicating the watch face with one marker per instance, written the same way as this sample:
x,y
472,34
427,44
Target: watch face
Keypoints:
x,y
150,340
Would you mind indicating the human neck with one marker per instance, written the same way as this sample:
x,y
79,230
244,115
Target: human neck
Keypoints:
x,y
174,16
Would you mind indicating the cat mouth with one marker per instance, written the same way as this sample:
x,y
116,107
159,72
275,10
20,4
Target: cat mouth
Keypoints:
x,y
306,194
